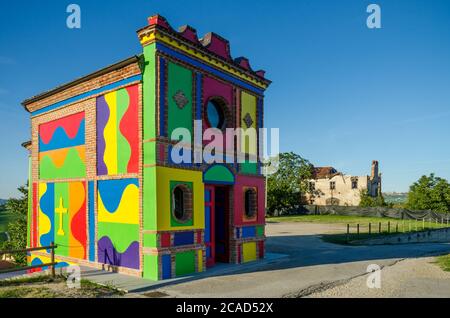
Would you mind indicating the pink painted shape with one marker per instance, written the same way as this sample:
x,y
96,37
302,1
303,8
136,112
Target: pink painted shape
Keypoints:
x,y
261,73
213,88
159,20
246,181
243,62
189,33
217,45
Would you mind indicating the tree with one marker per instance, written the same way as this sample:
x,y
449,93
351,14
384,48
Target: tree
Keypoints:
x,y
17,229
285,186
369,201
429,193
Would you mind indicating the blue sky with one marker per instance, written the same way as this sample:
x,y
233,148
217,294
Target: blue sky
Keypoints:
x,y
342,94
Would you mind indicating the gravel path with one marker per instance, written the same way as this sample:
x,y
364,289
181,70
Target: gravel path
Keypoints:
x,y
416,277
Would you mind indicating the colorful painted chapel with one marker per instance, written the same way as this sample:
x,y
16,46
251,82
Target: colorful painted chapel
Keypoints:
x,y
103,184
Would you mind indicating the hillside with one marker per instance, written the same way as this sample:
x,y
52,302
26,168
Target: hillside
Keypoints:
x,y
394,197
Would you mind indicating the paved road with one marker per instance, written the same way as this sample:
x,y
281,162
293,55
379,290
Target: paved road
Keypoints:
x,y
312,265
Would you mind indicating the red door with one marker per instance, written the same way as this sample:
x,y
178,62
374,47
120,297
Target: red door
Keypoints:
x,y
209,226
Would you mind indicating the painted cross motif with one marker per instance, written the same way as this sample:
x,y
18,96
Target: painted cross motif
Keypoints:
x,y
180,99
248,120
61,210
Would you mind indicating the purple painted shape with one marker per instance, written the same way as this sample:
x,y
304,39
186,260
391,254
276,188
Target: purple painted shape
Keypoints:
x,y
102,119
107,254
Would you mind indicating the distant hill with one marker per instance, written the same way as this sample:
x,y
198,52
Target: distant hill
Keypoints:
x,y
395,197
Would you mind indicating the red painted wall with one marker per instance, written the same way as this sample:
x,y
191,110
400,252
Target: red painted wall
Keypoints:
x,y
245,181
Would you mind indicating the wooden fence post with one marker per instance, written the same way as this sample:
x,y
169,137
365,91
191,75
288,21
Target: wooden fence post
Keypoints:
x,y
370,228
53,259
348,232
389,227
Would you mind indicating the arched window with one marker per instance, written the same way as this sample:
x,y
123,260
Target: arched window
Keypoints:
x,y
250,202
216,113
182,203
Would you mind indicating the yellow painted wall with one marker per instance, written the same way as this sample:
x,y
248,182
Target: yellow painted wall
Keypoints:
x,y
200,260
249,252
164,176
248,105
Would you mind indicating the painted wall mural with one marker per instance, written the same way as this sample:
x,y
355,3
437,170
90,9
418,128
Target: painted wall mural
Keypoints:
x,y
179,98
62,148
118,222
117,132
62,217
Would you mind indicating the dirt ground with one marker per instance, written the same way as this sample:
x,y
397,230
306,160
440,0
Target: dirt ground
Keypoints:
x,y
314,266
416,277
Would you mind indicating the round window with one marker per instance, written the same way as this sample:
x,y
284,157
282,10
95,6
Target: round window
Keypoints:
x,y
215,114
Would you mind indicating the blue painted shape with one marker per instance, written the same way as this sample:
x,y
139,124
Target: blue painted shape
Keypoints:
x,y
47,206
260,114
61,140
91,221
166,261
183,238
37,261
208,252
207,224
208,69
238,233
248,231
162,97
207,196
198,89
93,92
111,191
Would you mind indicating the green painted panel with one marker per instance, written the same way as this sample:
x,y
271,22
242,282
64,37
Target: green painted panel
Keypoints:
x,y
185,263
73,167
173,221
249,167
218,174
180,82
149,197
123,146
150,240
260,231
62,238
151,267
121,235
149,153
149,92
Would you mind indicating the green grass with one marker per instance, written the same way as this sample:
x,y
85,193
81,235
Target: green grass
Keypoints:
x,y
28,280
35,287
27,292
444,262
